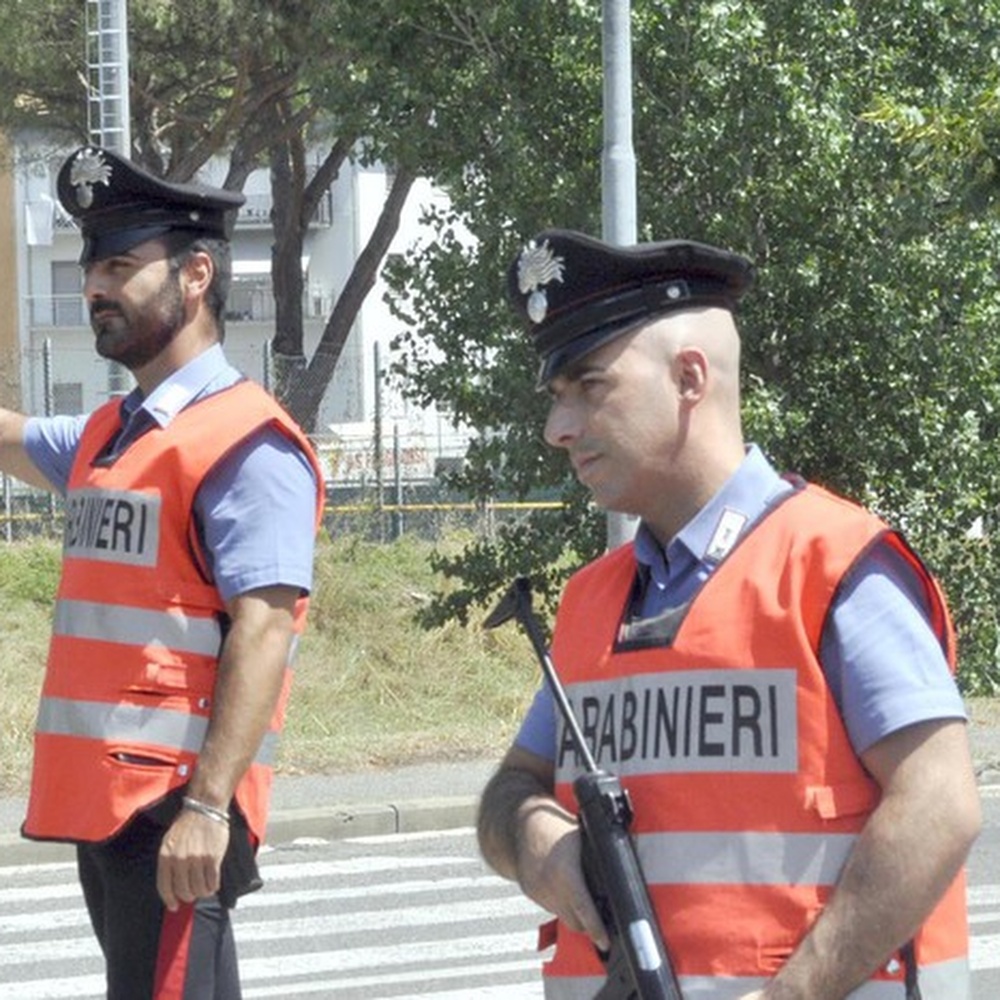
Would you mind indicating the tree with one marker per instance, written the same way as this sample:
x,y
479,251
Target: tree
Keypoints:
x,y
257,82
870,341
188,103
418,91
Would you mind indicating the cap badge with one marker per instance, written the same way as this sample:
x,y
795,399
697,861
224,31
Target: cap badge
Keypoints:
x,y
88,169
536,267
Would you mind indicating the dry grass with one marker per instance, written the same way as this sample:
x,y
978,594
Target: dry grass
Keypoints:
x,y
27,582
371,687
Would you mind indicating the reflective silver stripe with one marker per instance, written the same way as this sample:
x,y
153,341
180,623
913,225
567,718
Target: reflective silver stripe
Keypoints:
x,y
730,988
714,988
267,752
572,987
743,858
942,981
946,980
107,722
137,627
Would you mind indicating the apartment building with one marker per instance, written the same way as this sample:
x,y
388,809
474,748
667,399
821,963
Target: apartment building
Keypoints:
x,y
46,347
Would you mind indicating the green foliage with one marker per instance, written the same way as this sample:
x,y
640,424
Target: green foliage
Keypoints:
x,y
40,69
870,343
199,73
850,149
540,547
952,133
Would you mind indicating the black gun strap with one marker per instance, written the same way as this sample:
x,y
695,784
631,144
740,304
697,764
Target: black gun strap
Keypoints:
x,y
909,955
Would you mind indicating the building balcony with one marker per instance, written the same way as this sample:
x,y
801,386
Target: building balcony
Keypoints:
x,y
251,299
254,214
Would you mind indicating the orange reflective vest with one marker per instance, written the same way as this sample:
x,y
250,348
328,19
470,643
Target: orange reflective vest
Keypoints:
x,y
747,794
138,627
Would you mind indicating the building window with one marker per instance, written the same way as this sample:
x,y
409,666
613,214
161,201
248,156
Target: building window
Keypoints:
x,y
67,293
67,398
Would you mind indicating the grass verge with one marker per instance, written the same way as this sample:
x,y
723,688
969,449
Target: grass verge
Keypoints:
x,y
371,687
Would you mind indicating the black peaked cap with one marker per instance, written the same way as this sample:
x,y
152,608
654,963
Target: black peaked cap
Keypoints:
x,y
576,293
120,205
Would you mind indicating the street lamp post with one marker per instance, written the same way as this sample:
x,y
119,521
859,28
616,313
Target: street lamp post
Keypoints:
x,y
618,201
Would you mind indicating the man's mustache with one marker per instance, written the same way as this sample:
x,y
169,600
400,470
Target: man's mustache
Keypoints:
x,y
104,306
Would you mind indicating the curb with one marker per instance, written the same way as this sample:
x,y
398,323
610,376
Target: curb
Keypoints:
x,y
339,822
330,823
349,819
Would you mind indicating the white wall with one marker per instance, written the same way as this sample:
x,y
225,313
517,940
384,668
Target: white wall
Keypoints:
x,y
357,197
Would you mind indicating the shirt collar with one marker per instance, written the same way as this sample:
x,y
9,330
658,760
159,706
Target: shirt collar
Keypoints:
x,y
180,388
713,531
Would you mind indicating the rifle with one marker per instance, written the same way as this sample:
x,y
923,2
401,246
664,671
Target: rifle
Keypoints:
x,y
637,965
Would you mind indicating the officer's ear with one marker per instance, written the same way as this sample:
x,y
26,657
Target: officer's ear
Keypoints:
x,y
197,271
691,373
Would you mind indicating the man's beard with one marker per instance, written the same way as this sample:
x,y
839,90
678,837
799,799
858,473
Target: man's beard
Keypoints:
x,y
134,340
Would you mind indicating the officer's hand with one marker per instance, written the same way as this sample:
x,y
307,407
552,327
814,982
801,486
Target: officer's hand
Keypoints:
x,y
549,870
190,861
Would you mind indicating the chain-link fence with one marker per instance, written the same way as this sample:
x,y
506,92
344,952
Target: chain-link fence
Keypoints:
x,y
372,492
29,513
425,510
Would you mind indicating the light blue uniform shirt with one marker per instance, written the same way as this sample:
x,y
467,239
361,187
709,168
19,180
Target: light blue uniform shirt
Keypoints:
x,y
256,508
881,658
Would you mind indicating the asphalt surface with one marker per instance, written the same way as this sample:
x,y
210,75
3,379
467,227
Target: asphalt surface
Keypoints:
x,y
425,796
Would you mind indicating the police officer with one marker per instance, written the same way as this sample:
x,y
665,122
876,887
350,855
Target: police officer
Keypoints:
x,y
191,510
768,667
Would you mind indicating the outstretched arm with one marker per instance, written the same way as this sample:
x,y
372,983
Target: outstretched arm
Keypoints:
x,y
907,855
14,459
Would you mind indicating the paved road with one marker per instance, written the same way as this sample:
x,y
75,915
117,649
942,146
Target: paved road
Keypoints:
x,y
407,915
984,899
404,915
398,916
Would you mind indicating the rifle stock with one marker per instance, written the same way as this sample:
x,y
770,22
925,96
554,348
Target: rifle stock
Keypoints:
x,y
638,966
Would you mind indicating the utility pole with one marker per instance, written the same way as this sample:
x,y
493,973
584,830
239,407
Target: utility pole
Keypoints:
x,y
618,201
108,107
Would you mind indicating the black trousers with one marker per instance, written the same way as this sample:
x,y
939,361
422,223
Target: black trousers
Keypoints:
x,y
151,953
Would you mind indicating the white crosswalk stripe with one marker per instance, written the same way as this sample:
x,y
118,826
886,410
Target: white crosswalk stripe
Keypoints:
x,y
984,926
418,917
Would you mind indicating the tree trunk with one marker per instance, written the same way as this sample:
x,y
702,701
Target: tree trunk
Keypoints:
x,y
294,204
307,393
